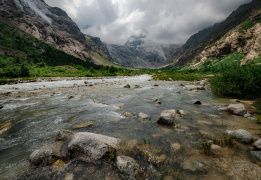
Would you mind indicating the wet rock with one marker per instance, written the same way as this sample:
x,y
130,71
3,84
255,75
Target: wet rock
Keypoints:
x,y
156,85
158,101
83,125
127,86
215,147
42,156
69,176
201,88
250,117
241,135
175,147
167,117
194,166
257,144
178,92
180,84
127,166
190,87
85,82
127,114
256,155
70,97
63,135
1,106
196,101
142,116
4,128
237,109
137,86
120,106
223,109
91,147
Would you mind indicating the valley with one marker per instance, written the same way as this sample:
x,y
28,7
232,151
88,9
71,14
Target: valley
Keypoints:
x,y
136,107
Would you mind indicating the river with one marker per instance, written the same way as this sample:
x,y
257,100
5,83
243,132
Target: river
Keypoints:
x,y
36,112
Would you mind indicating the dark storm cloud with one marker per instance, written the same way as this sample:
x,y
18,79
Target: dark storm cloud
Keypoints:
x,y
164,21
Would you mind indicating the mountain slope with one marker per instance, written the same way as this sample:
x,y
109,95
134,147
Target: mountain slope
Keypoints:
x,y
140,53
46,23
198,42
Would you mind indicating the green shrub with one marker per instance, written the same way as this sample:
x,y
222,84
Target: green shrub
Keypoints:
x,y
238,81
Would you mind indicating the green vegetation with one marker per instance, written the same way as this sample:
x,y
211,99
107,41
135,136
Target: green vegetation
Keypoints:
x,y
205,147
238,81
26,56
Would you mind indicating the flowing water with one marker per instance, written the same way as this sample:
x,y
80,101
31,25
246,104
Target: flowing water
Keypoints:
x,y
37,111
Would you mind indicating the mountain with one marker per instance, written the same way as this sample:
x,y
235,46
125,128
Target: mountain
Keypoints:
x,y
98,50
140,53
46,23
240,32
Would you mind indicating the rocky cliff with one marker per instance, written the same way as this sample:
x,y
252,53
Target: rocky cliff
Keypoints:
x,y
239,32
46,23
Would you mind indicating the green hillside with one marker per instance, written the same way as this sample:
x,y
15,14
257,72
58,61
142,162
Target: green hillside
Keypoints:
x,y
22,55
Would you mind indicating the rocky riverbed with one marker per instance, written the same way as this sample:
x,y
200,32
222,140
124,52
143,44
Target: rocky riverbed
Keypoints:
x,y
125,128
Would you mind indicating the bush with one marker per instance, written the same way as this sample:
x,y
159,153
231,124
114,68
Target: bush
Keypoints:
x,y
239,81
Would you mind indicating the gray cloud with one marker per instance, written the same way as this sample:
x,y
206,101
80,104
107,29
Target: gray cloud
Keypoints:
x,y
163,21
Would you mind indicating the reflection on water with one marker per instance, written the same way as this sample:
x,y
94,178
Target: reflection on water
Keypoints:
x,y
37,111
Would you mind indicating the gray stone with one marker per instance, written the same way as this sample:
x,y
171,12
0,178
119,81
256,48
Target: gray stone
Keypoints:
x,y
241,135
237,109
158,101
42,156
91,147
143,116
257,144
247,115
167,117
127,166
256,155
190,87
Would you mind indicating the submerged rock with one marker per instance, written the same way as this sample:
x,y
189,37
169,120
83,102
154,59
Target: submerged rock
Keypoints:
x,y
1,106
158,101
83,125
91,147
127,86
237,109
127,114
190,87
194,166
127,166
4,128
167,117
143,116
223,109
137,86
120,106
241,135
196,101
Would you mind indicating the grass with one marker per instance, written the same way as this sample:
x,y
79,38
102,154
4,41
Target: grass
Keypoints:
x,y
205,147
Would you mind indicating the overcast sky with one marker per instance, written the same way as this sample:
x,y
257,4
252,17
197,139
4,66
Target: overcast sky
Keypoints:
x,y
164,21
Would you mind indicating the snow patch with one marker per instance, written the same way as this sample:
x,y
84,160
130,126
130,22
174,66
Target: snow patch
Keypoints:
x,y
38,7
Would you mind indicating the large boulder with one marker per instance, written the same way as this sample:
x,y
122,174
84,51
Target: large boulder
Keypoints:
x,y
237,109
91,147
127,166
241,135
167,117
